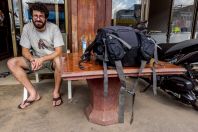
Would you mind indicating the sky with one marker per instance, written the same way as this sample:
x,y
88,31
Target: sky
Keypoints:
x,y
126,4
116,4
123,4
45,1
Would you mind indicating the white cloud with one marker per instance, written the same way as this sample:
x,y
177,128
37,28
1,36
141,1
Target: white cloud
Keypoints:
x,y
183,2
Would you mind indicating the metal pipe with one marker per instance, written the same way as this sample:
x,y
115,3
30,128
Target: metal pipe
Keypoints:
x,y
169,23
66,22
12,24
20,15
142,10
147,9
57,13
194,21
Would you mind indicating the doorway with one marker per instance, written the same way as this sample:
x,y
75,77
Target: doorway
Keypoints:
x,y
5,34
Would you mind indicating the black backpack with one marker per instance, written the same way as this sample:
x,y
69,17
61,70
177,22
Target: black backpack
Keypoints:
x,y
120,43
120,46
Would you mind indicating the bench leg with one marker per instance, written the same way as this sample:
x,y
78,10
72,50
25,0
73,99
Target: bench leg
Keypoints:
x,y
25,94
69,89
37,77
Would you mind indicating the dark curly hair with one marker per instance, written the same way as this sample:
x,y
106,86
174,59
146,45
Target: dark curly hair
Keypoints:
x,y
39,7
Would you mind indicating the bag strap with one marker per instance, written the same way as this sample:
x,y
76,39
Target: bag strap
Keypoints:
x,y
143,64
105,60
121,76
133,88
155,51
154,80
105,78
154,74
154,71
121,40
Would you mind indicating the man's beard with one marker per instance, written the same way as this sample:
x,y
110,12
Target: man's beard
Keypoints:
x,y
40,25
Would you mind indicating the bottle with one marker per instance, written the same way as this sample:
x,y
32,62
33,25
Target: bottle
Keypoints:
x,y
84,43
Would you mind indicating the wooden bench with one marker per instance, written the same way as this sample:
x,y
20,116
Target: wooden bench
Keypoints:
x,y
104,110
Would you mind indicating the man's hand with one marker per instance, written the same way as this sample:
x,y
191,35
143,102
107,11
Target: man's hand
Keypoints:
x,y
36,63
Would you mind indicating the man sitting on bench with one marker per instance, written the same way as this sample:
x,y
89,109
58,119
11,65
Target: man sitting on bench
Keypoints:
x,y
45,40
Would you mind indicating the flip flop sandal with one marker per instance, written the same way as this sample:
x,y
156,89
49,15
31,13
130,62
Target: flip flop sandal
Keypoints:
x,y
56,100
28,102
4,74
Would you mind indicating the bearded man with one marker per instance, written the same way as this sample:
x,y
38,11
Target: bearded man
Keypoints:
x,y
41,43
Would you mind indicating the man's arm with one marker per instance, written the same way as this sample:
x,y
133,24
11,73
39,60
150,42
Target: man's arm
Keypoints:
x,y
26,53
38,62
56,53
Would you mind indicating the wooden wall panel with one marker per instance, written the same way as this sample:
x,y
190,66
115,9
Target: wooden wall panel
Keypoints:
x,y
104,13
108,12
73,15
86,20
85,17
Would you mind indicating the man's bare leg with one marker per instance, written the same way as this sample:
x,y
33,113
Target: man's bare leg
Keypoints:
x,y
57,77
16,66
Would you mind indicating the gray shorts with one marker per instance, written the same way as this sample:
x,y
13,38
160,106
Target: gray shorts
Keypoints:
x,y
46,64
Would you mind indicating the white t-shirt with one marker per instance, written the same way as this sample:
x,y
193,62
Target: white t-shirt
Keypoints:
x,y
42,43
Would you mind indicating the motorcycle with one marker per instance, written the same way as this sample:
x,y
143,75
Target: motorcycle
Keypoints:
x,y
183,88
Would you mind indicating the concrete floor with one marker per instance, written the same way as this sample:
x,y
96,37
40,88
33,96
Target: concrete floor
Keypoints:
x,y
152,114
